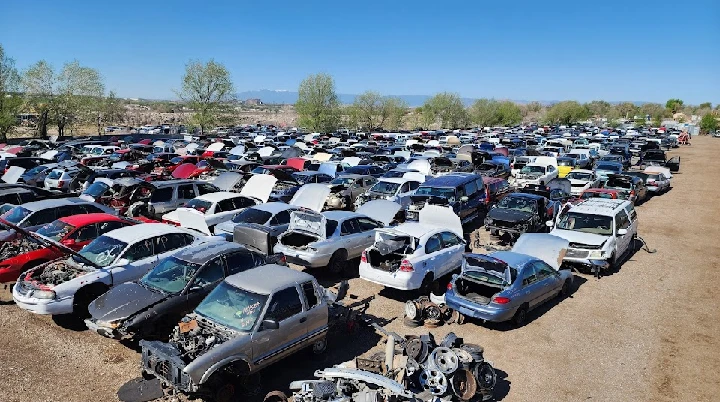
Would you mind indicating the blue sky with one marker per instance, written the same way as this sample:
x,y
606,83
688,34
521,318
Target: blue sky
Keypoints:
x,y
525,50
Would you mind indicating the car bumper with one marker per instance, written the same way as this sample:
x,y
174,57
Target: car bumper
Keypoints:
x,y
486,312
43,306
303,257
102,330
396,279
503,229
334,203
162,360
593,264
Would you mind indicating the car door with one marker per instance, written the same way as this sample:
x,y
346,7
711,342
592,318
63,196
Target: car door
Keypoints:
x,y
351,237
162,201
183,194
286,308
317,313
531,291
454,248
549,281
139,256
432,261
622,221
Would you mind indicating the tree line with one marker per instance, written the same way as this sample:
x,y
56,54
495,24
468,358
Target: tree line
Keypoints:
x,y
74,96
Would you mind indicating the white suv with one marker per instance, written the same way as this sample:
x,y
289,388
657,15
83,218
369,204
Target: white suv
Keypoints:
x,y
600,231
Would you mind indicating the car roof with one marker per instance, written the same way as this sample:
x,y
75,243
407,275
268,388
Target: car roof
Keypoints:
x,y
167,183
600,206
274,207
526,195
267,278
352,175
488,180
88,219
397,180
144,231
451,179
54,203
583,171
218,196
202,253
340,215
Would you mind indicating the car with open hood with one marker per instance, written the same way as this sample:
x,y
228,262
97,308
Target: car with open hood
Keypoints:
x,y
413,255
259,226
519,213
581,180
465,193
151,306
658,179
603,169
538,172
507,285
392,189
221,206
248,322
492,168
631,188
346,188
74,232
67,286
332,238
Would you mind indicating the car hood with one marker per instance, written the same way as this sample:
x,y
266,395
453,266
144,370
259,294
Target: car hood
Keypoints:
x,y
259,186
546,247
441,217
421,165
311,196
227,181
124,301
380,210
580,237
509,215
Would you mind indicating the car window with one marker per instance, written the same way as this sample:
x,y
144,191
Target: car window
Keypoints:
x,y
41,217
104,227
450,239
471,188
433,244
284,304
169,242
186,192
405,188
621,220
86,233
310,295
240,261
211,273
140,250
242,202
543,270
205,189
367,224
162,195
349,226
529,275
90,209
631,210
281,218
24,197
414,185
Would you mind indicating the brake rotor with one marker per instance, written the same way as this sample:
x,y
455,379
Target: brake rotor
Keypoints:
x,y
411,367
475,351
485,376
464,385
434,381
411,310
413,348
432,312
444,360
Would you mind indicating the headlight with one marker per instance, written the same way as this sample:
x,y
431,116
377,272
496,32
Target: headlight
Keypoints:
x,y
43,294
312,249
596,254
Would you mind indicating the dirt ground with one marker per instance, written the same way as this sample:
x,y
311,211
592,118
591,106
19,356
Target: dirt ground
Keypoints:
x,y
650,332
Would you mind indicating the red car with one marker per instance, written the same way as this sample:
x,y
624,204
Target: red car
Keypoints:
x,y
73,232
595,193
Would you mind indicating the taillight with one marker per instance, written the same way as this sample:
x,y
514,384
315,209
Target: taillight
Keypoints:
x,y
500,300
60,183
406,266
449,286
363,256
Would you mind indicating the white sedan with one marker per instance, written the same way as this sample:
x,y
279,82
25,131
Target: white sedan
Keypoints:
x,y
581,180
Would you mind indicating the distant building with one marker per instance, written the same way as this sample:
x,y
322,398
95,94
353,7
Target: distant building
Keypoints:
x,y
253,102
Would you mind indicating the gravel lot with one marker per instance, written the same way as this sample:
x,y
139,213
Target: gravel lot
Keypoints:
x,y
650,332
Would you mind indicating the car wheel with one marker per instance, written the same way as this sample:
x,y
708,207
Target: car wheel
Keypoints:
x,y
429,284
520,316
84,297
338,261
613,267
565,290
320,346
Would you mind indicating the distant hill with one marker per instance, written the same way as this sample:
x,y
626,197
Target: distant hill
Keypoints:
x,y
290,97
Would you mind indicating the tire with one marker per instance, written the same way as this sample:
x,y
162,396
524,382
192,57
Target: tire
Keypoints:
x,y
520,317
565,290
613,267
429,284
319,347
338,262
82,300
222,388
412,323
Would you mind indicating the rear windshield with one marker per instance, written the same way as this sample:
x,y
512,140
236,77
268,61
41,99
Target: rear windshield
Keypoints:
x,y
615,183
96,189
252,215
199,205
384,187
55,174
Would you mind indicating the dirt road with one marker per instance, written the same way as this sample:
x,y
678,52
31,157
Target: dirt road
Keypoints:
x,y
650,332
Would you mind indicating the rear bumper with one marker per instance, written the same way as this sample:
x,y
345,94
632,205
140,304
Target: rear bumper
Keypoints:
x,y
302,257
486,312
396,279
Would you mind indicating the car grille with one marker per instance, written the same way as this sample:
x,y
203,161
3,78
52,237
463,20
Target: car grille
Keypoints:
x,y
572,253
164,369
584,246
504,224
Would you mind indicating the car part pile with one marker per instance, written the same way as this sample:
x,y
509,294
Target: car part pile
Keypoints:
x,y
411,369
431,312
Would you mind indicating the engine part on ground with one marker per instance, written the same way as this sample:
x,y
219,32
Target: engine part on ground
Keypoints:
x,y
444,360
485,375
474,350
450,340
411,310
434,381
430,311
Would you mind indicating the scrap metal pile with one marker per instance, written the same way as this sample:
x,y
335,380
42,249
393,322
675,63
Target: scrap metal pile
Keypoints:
x,y
412,368
431,312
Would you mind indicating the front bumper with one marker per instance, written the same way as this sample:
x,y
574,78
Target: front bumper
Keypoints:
x,y
162,360
504,229
107,332
24,300
592,264
392,279
487,312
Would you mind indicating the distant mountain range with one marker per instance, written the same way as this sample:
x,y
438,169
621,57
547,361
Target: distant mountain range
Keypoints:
x,y
283,97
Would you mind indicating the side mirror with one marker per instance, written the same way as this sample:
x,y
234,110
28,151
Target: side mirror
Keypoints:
x,y
622,232
464,198
270,324
549,224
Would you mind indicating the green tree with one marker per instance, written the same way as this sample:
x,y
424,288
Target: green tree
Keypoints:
x,y
39,87
599,108
484,112
207,89
370,110
625,110
394,110
566,113
674,105
508,113
113,109
318,106
709,123
534,107
657,121
655,110
10,100
446,109
705,105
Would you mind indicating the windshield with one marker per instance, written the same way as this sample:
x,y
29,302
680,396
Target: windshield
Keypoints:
x,y
252,215
518,204
98,151
486,167
36,170
115,157
444,192
232,307
102,251
199,205
345,181
587,223
16,215
579,176
171,275
177,160
533,169
302,178
592,194
6,207
96,189
613,168
56,230
384,187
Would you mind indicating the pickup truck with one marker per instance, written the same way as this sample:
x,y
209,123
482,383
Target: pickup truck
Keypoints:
x,y
248,322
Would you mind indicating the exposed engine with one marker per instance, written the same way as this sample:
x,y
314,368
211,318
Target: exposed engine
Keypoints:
x,y
14,248
194,336
58,272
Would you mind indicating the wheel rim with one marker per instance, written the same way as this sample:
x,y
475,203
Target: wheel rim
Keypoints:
x,y
319,346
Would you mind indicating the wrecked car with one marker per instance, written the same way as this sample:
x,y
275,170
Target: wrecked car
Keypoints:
x,y
150,307
345,189
536,173
67,286
249,321
334,237
493,169
414,255
37,213
519,213
392,189
507,285
581,180
465,193
631,188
